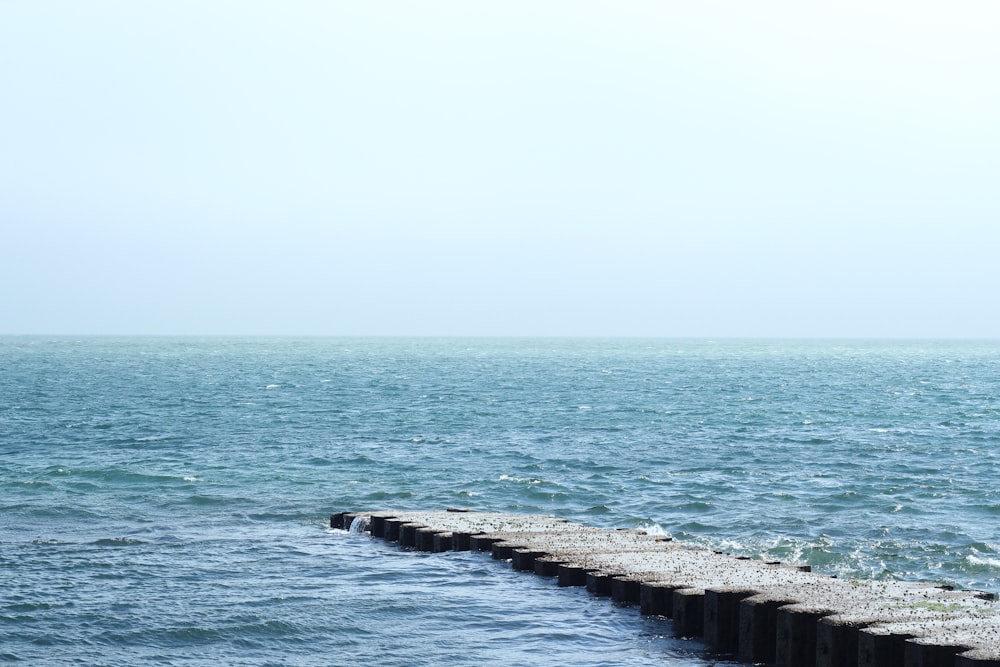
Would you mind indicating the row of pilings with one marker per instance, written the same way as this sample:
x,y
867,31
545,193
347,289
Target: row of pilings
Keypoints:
x,y
758,612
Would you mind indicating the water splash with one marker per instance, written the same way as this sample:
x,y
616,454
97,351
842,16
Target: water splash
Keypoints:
x,y
653,528
360,524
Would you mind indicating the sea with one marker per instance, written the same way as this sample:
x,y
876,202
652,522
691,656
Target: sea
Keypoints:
x,y
167,500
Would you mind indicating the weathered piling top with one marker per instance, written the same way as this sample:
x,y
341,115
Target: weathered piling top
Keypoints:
x,y
761,612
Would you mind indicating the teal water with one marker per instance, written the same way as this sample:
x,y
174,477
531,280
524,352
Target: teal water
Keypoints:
x,y
165,500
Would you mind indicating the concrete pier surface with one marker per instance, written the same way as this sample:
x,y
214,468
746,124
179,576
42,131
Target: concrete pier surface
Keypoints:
x,y
758,612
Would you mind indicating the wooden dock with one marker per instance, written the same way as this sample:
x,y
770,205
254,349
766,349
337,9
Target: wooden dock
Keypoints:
x,y
760,612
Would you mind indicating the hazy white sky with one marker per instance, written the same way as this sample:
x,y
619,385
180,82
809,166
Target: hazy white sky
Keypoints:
x,y
710,168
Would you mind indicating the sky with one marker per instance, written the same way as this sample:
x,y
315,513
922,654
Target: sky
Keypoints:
x,y
500,168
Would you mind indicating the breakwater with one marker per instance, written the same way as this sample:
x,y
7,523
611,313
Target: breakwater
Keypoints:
x,y
760,612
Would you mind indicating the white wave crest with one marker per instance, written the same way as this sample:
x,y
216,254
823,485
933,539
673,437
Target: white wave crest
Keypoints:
x,y
992,563
523,480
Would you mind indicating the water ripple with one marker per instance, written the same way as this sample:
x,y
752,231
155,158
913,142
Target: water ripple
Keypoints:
x,y
162,494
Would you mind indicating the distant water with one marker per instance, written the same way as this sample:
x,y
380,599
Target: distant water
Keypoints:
x,y
165,501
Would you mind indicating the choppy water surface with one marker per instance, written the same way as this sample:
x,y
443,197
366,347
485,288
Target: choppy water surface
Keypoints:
x,y
165,500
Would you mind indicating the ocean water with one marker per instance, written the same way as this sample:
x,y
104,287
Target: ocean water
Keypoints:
x,y
165,500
